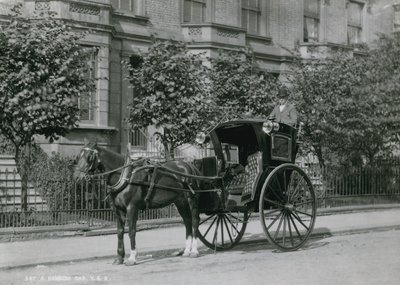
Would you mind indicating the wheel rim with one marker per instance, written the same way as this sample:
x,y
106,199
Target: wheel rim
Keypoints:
x,y
222,231
287,207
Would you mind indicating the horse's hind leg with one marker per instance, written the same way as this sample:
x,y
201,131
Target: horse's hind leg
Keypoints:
x,y
132,216
195,216
121,217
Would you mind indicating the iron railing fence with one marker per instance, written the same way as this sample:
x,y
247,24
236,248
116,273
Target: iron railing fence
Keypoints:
x,y
63,202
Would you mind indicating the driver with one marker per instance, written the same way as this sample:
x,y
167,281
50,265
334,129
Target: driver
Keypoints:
x,y
285,112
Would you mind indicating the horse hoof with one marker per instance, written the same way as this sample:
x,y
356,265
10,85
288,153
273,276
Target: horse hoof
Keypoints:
x,y
178,253
118,261
130,262
186,254
194,254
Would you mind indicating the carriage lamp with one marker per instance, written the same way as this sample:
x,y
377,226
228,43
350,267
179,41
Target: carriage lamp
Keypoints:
x,y
267,127
276,126
201,138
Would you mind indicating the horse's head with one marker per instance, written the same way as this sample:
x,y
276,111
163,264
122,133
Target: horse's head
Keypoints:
x,y
88,161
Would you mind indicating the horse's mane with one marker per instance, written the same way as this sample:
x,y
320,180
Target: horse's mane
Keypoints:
x,y
110,155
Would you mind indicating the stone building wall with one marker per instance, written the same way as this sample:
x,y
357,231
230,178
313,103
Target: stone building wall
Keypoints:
x,y
120,33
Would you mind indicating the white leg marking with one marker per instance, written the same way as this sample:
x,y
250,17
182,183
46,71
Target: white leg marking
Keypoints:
x,y
188,246
194,251
132,257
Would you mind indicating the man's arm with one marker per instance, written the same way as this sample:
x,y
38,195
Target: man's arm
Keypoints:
x,y
293,115
272,116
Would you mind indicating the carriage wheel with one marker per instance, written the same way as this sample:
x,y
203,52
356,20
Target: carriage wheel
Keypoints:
x,y
287,207
223,230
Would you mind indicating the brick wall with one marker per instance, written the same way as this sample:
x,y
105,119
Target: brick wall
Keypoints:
x,y
227,12
286,22
164,14
380,18
336,22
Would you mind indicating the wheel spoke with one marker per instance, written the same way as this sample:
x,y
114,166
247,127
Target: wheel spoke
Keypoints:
x,y
295,227
216,232
293,196
304,213
279,227
273,190
273,211
284,228
274,203
222,230
233,225
299,219
284,181
305,202
205,234
206,220
236,218
274,221
227,229
290,229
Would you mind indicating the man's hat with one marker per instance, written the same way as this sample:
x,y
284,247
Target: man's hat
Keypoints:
x,y
283,93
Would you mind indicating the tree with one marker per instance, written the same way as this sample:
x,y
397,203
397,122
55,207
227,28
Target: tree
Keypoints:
x,y
383,85
172,93
238,88
42,76
342,110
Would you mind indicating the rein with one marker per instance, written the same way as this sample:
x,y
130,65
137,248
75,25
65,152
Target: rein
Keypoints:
x,y
155,167
88,176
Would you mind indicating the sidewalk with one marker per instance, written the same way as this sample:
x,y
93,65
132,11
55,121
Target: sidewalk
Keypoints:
x,y
164,240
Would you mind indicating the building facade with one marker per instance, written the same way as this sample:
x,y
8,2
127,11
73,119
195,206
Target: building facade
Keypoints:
x,y
122,29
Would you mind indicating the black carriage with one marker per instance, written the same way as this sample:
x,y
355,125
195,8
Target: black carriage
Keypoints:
x,y
251,169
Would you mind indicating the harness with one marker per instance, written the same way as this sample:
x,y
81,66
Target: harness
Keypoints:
x,y
130,168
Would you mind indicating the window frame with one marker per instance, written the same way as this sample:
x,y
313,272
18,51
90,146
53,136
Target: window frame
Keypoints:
x,y
204,11
247,9
356,26
131,5
93,98
138,138
316,17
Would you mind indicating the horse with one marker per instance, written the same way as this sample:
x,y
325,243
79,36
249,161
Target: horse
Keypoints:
x,y
149,186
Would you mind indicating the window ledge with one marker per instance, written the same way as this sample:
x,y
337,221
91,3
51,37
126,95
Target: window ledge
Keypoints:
x,y
259,38
94,127
328,44
129,15
227,27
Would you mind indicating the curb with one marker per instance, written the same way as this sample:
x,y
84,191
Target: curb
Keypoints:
x,y
85,230
163,252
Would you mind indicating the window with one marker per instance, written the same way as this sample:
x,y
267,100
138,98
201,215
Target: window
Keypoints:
x,y
281,147
127,5
194,11
311,20
87,102
137,138
251,13
354,22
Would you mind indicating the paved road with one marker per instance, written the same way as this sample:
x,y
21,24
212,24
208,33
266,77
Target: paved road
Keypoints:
x,y
50,251
363,258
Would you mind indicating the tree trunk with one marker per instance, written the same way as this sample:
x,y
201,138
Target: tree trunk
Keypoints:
x,y
22,161
169,150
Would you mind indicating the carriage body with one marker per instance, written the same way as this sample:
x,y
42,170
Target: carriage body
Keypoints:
x,y
255,161
243,155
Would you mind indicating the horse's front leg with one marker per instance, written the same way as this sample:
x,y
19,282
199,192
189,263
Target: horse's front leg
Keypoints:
x,y
132,216
121,217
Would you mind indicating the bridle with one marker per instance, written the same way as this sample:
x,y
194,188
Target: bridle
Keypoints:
x,y
95,161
